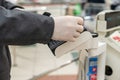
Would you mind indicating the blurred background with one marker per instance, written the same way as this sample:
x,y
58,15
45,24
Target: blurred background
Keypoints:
x,y
32,60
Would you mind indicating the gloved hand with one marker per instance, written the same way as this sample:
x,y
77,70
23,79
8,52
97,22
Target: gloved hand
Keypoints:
x,y
67,28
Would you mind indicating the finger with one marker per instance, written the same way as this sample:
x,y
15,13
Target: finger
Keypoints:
x,y
76,35
72,40
79,20
79,28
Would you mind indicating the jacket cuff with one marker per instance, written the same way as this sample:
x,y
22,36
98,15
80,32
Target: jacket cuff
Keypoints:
x,y
49,31
52,28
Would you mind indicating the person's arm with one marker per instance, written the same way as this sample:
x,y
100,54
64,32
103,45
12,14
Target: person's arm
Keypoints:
x,y
20,27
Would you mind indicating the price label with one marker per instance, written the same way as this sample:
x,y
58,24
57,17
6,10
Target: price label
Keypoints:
x,y
115,37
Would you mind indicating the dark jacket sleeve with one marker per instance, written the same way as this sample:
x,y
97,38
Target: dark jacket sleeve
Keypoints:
x,y
20,27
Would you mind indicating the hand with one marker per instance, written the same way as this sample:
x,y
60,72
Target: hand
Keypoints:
x,y
67,28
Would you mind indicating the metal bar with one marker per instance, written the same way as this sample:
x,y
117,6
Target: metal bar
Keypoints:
x,y
50,71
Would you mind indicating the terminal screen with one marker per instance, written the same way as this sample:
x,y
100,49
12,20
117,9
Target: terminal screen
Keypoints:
x,y
96,1
113,19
